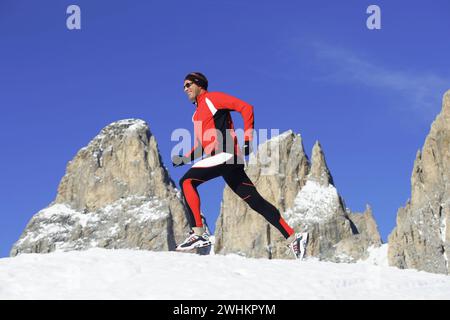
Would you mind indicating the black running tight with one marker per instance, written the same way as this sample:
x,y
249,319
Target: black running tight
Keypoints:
x,y
236,178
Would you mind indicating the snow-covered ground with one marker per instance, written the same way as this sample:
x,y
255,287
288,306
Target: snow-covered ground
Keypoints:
x,y
129,274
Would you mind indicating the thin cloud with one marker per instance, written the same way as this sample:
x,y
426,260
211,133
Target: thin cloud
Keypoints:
x,y
421,92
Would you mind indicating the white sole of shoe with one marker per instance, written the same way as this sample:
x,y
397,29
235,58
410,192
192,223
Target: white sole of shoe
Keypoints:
x,y
202,245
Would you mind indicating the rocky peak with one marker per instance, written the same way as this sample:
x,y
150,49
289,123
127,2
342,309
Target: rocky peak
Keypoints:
x,y
319,169
122,160
366,225
421,239
116,193
281,162
306,198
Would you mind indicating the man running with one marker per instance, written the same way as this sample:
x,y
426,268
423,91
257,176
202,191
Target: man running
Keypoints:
x,y
215,138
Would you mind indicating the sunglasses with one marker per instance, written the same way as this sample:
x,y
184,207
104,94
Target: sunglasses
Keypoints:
x,y
188,85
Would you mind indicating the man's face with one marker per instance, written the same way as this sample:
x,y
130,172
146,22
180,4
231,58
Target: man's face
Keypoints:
x,y
192,90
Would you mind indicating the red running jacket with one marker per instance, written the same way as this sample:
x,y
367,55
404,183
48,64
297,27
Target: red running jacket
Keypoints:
x,y
211,117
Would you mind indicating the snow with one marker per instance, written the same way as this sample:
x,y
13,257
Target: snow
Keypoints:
x,y
126,126
281,136
127,123
151,210
136,125
275,140
377,255
314,203
59,220
132,274
212,238
52,228
146,208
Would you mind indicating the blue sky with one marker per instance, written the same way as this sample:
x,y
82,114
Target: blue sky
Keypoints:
x,y
368,96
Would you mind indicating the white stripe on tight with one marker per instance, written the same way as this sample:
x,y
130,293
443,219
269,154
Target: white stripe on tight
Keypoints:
x,y
213,160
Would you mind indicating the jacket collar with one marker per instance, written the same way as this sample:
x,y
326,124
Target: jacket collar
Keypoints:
x,y
200,97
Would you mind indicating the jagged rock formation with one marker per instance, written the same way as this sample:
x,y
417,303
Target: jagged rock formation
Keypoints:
x,y
365,235
116,193
421,239
241,230
308,200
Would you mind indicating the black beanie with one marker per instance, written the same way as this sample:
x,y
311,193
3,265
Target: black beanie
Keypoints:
x,y
198,78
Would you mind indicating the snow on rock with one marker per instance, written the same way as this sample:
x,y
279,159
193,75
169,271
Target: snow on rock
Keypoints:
x,y
59,227
277,139
129,274
314,203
